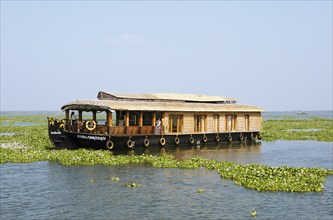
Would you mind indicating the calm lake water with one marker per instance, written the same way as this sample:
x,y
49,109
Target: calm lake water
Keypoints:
x,y
276,115
48,190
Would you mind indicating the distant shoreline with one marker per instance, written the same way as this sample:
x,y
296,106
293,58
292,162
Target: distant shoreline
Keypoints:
x,y
46,112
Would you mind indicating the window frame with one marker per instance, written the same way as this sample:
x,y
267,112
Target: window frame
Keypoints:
x,y
200,123
231,122
247,122
179,123
216,123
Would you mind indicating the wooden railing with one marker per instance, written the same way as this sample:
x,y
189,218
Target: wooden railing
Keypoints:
x,y
117,130
132,130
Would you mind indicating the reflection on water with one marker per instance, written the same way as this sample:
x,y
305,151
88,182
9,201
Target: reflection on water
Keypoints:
x,y
220,151
238,152
217,151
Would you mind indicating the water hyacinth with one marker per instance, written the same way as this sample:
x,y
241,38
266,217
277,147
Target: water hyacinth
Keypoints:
x,y
265,178
133,185
115,178
293,129
253,213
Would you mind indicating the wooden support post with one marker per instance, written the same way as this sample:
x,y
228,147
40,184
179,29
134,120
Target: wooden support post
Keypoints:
x,y
127,122
67,119
79,124
162,122
162,118
140,131
141,119
127,119
94,118
94,115
109,121
153,123
117,117
203,125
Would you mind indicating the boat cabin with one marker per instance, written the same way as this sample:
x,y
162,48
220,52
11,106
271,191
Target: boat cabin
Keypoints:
x,y
121,114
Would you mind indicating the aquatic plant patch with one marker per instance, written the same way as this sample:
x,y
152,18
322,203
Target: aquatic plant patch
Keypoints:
x,y
200,190
312,129
133,185
32,136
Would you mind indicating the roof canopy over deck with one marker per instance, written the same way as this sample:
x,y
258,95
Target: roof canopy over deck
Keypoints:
x,y
139,105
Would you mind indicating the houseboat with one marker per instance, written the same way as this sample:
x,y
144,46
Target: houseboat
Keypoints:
x,y
132,120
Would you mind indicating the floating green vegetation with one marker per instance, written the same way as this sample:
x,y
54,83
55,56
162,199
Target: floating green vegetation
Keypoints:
x,y
33,136
253,213
133,185
312,129
31,143
115,178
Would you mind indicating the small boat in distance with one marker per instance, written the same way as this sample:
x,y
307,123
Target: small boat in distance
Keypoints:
x,y
302,113
128,120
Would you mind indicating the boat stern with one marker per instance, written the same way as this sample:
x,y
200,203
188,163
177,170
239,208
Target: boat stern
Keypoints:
x,y
56,130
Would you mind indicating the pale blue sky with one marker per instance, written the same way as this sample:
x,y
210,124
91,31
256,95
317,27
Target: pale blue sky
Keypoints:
x,y
276,55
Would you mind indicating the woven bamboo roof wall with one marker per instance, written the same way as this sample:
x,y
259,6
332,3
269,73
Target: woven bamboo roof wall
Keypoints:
x,y
164,97
89,105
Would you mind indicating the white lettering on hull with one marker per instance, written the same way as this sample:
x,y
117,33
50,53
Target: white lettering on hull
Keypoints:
x,y
88,137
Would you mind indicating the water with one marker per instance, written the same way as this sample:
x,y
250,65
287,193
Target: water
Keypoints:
x,y
48,190
278,115
18,124
30,113
7,133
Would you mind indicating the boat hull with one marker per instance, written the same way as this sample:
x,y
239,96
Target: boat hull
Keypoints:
x,y
61,138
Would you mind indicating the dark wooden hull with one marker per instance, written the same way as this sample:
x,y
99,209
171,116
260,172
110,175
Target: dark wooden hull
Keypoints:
x,y
72,140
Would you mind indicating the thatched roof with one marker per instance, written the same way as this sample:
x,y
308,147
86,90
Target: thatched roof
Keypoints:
x,y
138,105
165,97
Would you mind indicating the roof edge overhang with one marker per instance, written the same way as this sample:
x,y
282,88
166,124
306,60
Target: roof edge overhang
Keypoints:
x,y
109,105
85,106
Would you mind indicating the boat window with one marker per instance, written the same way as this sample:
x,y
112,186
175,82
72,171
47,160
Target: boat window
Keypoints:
x,y
216,123
200,123
147,118
120,118
175,123
231,121
134,118
247,123
101,118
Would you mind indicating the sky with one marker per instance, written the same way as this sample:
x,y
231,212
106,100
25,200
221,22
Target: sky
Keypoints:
x,y
272,54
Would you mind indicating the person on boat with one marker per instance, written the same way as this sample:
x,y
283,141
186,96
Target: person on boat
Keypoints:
x,y
73,119
158,126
